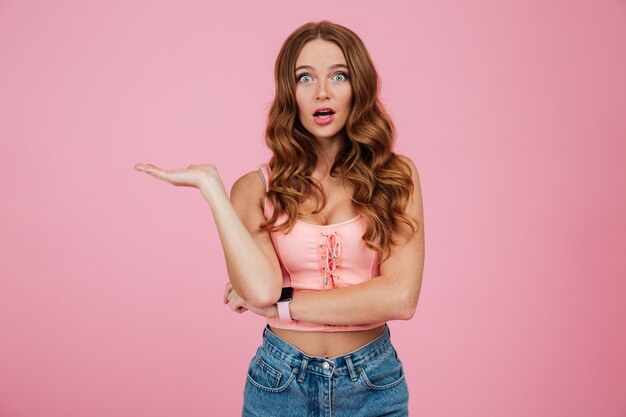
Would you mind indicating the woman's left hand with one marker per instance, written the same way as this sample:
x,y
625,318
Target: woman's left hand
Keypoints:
x,y
239,305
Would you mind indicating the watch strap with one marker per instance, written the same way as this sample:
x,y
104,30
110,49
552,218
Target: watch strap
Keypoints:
x,y
283,310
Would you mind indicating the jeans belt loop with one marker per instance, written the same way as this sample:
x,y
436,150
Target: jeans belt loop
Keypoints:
x,y
303,366
350,368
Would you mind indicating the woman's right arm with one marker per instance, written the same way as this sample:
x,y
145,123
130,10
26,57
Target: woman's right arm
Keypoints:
x,y
251,261
252,264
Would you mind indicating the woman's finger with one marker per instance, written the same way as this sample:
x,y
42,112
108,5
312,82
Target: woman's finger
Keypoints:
x,y
184,177
145,167
235,302
153,170
195,175
232,300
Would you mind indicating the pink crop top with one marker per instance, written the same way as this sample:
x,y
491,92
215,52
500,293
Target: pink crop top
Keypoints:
x,y
321,257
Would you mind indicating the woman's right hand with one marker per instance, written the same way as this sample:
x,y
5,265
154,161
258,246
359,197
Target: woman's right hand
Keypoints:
x,y
239,305
200,176
229,298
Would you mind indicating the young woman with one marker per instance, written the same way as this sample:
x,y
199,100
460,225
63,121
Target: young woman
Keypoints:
x,y
326,240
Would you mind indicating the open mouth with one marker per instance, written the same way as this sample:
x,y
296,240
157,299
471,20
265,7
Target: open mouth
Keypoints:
x,y
323,114
324,117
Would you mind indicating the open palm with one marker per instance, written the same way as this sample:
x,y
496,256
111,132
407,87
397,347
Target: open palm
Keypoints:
x,y
195,175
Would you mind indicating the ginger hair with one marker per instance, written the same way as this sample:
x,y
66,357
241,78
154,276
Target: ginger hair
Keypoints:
x,y
382,181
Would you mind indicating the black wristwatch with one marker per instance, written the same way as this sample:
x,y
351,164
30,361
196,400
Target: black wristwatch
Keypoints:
x,y
286,294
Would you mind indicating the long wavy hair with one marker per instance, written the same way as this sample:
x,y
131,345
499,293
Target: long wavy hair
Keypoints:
x,y
382,181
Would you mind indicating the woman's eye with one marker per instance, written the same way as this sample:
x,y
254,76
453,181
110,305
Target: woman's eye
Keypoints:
x,y
303,76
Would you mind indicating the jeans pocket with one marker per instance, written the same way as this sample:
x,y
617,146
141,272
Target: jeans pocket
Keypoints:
x,y
269,373
384,372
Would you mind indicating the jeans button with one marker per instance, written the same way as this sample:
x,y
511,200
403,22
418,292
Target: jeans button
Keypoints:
x,y
325,365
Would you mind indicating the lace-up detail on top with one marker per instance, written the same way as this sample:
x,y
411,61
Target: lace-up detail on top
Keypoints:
x,y
315,257
330,258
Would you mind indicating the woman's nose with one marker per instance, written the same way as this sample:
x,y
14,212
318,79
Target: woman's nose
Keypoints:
x,y
322,89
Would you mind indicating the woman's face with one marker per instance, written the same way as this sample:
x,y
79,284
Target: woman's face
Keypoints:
x,y
322,80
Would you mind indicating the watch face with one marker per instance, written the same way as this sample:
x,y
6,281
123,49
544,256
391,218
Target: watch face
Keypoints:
x,y
286,294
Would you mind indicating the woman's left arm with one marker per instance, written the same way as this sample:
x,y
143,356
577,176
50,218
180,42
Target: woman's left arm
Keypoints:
x,y
392,295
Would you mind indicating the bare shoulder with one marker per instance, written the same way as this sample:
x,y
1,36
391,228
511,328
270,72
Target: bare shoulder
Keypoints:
x,y
415,206
249,182
248,190
414,171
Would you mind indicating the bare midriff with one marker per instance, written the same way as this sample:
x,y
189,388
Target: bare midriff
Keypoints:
x,y
328,344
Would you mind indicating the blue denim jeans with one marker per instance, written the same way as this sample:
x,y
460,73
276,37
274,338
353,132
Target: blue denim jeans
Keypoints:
x,y
284,381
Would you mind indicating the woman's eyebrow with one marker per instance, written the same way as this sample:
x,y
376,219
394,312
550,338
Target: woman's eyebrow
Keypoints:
x,y
331,67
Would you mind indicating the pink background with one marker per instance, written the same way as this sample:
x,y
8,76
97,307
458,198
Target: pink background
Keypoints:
x,y
111,281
